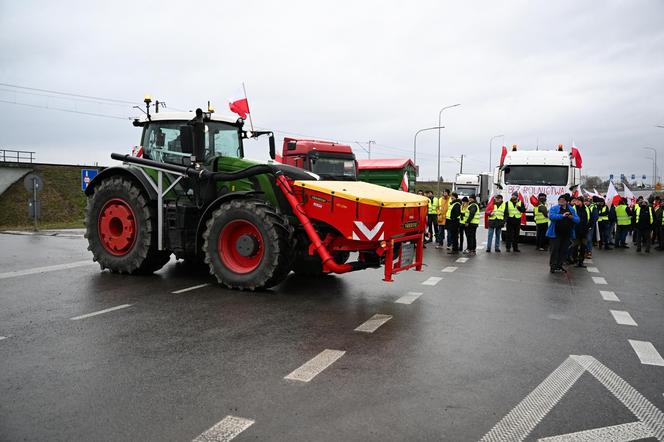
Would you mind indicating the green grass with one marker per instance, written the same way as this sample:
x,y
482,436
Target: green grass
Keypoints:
x,y
62,200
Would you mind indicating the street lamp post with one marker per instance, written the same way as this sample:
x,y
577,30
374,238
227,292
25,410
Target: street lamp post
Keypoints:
x,y
440,116
654,178
491,148
415,140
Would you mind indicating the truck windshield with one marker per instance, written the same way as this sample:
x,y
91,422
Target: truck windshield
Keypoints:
x,y
465,191
161,141
538,175
334,168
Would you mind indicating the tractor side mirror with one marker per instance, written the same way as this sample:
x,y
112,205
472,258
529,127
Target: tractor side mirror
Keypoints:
x,y
273,149
291,145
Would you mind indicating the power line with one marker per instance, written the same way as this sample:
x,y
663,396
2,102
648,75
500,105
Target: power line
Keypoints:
x,y
81,100
69,94
65,110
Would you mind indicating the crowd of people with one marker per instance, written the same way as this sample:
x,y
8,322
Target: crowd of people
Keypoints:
x,y
569,229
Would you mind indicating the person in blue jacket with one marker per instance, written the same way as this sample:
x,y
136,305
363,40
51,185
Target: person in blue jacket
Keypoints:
x,y
562,219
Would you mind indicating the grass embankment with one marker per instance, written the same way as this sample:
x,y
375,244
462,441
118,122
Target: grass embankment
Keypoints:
x,y
62,200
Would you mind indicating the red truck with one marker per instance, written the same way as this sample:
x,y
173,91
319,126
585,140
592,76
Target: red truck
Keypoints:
x,y
329,160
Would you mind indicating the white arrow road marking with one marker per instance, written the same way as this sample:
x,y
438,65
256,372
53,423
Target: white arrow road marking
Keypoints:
x,y
369,233
623,318
523,418
408,298
225,430
372,324
609,296
70,265
313,367
100,312
647,353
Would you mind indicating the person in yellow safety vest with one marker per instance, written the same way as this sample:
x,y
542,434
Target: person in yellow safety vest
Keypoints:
x,y
443,203
644,221
603,224
452,223
432,217
496,213
462,221
623,217
541,212
472,221
514,210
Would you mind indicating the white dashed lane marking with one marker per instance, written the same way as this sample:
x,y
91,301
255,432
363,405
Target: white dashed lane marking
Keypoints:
x,y
593,269
100,312
225,430
3,337
599,280
623,318
449,269
408,298
432,280
609,296
313,367
372,324
588,261
462,260
52,268
188,289
647,353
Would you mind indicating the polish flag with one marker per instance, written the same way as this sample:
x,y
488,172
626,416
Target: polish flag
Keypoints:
x,y
578,161
631,199
611,193
503,154
239,103
523,215
487,212
404,182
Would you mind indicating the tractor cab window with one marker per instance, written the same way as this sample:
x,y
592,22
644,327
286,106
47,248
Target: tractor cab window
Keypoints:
x,y
161,141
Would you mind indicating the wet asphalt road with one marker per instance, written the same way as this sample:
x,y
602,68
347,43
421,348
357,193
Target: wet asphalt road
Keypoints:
x,y
448,366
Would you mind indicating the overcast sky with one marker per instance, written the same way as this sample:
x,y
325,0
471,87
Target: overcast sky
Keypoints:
x,y
592,72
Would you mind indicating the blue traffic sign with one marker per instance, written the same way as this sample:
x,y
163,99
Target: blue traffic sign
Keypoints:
x,y
622,177
611,177
633,176
86,176
643,177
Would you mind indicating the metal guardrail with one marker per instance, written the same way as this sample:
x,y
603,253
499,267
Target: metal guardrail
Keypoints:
x,y
16,156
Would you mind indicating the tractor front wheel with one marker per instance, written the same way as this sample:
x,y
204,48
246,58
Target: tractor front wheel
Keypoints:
x,y
121,228
247,245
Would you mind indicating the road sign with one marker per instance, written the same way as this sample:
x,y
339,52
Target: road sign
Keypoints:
x,y
633,176
658,186
86,176
611,177
522,419
33,182
643,177
34,209
622,177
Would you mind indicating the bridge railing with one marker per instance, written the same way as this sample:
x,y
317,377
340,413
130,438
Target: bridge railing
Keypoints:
x,y
16,156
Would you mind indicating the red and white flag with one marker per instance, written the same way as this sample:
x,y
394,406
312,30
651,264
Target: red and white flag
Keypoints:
x,y
631,199
404,182
576,155
239,103
611,193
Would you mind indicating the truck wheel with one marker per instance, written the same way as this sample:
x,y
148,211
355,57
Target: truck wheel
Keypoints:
x,y
120,228
247,245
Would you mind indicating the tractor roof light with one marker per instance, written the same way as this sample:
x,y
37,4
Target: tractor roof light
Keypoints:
x,y
210,107
513,147
147,99
560,148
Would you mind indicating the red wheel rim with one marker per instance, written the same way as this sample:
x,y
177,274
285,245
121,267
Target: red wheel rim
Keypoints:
x,y
117,227
241,246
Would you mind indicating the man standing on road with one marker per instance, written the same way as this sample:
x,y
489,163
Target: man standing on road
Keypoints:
x,y
541,221
562,219
592,223
472,221
432,220
514,210
623,222
579,245
443,203
452,223
644,222
496,221
462,221
603,224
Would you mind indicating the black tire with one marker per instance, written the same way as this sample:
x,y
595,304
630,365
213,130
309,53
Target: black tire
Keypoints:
x,y
142,257
270,253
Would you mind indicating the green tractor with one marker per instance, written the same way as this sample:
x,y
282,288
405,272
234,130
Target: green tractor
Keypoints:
x,y
189,191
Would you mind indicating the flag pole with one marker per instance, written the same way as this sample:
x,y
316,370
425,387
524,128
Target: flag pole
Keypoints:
x,y
251,123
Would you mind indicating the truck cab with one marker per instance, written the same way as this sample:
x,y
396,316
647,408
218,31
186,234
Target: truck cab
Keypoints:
x,y
329,160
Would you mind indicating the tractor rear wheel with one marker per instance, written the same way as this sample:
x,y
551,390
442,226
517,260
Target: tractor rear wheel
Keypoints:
x,y
247,245
120,228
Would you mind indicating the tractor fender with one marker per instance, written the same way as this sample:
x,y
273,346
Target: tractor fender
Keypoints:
x,y
130,172
214,205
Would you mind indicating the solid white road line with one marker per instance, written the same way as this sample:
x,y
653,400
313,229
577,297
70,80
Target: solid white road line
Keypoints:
x,y
3,337
623,318
70,265
188,289
408,298
314,366
609,296
599,280
592,269
372,324
100,312
647,353
225,430
615,433
432,280
462,260
449,269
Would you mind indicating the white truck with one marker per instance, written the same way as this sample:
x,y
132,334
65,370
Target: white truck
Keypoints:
x,y
479,185
531,172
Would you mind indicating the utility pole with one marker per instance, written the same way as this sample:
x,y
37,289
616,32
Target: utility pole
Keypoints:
x,y
366,149
440,125
461,165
